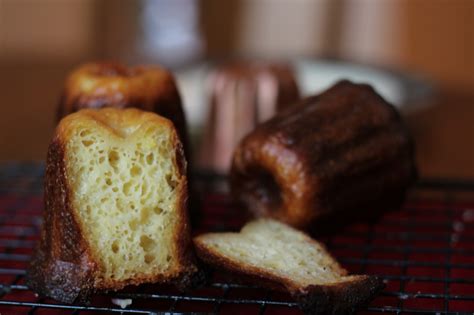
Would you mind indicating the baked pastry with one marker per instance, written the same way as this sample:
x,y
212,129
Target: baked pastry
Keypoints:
x,y
274,255
115,206
344,153
110,84
242,94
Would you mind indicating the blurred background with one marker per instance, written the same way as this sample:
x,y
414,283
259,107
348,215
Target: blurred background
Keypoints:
x,y
432,40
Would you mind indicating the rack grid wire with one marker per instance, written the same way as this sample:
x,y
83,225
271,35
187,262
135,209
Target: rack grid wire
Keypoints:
x,y
424,253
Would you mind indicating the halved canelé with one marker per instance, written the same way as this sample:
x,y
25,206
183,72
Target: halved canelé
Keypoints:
x,y
115,206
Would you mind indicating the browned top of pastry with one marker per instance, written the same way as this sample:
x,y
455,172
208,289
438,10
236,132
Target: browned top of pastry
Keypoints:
x,y
94,85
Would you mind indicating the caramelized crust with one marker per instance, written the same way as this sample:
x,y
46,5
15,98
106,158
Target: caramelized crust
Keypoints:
x,y
64,266
107,84
338,298
343,153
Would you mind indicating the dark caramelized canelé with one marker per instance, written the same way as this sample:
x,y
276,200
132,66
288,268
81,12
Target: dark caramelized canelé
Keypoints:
x,y
345,152
108,84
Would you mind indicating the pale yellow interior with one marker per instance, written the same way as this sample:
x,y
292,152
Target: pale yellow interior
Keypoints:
x,y
125,188
279,250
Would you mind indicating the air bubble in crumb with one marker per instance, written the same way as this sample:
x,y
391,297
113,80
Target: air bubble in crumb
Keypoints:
x,y
87,143
135,171
84,133
115,247
147,243
149,158
123,303
171,182
113,158
149,258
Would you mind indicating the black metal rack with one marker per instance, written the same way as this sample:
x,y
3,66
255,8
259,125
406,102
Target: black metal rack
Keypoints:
x,y
425,253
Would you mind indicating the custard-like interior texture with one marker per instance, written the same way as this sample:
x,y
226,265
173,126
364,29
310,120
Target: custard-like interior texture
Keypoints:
x,y
124,179
278,249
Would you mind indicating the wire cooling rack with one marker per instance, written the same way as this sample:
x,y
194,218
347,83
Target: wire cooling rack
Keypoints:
x,y
424,252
